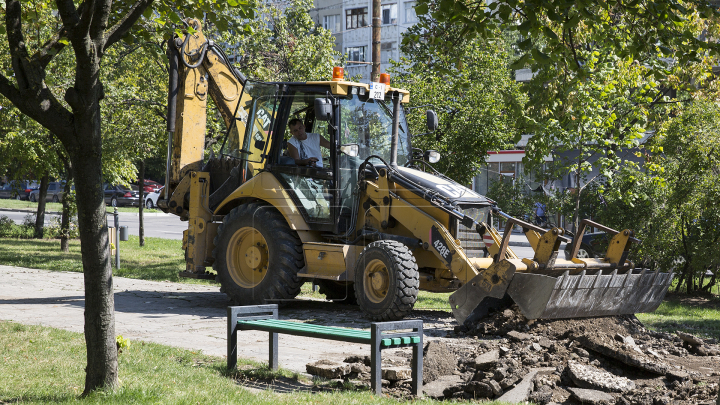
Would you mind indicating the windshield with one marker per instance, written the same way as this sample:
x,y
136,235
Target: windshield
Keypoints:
x,y
368,123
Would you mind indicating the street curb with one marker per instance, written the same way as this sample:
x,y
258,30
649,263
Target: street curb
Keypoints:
x,y
29,211
154,214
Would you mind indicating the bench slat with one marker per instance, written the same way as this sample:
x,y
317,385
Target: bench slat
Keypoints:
x,y
306,326
295,328
328,332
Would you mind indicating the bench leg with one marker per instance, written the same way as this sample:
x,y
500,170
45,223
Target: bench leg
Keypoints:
x,y
417,366
232,338
375,361
273,364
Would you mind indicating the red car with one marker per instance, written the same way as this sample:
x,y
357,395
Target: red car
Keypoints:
x,y
151,186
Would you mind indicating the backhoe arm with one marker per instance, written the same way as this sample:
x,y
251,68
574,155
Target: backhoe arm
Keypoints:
x,y
198,68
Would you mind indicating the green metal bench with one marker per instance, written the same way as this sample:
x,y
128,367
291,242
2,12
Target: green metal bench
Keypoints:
x,y
379,337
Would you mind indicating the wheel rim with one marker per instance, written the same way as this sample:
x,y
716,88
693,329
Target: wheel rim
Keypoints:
x,y
247,257
149,204
377,281
583,254
113,202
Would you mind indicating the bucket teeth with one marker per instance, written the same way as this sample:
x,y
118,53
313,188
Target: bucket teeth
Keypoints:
x,y
583,295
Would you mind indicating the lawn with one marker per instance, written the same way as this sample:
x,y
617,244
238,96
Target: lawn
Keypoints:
x,y
41,365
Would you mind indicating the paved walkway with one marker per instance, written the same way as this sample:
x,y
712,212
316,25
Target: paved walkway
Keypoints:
x,y
182,315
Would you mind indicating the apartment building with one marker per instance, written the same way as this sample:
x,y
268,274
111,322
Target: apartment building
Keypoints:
x,y
350,21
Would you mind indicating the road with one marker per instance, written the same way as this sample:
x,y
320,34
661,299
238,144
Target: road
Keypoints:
x,y
157,225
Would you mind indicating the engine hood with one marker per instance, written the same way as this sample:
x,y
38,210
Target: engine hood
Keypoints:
x,y
458,194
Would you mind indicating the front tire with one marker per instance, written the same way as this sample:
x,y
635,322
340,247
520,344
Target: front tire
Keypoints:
x,y
55,199
32,198
258,256
149,204
114,202
386,280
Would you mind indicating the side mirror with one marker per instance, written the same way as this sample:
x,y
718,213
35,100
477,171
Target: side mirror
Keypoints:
x,y
432,156
351,149
323,109
432,120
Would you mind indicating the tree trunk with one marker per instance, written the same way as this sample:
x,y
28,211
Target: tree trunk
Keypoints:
x,y
65,221
141,184
40,216
576,222
66,201
102,367
86,157
376,38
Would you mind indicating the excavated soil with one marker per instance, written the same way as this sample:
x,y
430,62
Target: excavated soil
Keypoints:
x,y
604,360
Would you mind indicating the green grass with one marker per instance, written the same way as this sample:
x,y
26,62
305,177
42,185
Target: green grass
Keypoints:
x,y
674,314
41,365
57,207
159,260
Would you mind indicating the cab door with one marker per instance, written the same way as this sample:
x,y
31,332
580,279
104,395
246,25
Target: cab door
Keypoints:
x,y
250,136
312,189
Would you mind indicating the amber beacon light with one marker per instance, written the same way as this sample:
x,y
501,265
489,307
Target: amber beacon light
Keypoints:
x,y
338,74
385,79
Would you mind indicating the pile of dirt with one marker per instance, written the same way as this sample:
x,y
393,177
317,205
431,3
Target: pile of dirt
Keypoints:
x,y
604,360
616,359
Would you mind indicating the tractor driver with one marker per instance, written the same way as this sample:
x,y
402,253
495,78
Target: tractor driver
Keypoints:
x,y
303,146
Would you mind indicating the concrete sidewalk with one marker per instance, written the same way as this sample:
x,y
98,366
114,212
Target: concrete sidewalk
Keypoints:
x,y
184,315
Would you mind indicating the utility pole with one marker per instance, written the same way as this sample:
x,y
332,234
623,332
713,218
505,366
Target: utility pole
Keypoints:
x,y
375,75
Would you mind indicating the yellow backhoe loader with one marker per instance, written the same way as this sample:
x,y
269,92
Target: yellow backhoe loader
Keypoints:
x,y
376,223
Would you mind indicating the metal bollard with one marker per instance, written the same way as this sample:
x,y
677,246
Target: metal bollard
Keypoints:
x,y
117,238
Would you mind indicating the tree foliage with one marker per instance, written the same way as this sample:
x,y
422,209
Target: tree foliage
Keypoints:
x,y
477,103
675,208
553,31
284,44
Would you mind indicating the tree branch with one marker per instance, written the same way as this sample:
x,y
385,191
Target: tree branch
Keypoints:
x,y
122,27
8,90
16,40
99,22
68,14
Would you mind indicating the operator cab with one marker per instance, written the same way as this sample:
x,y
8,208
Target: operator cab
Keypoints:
x,y
326,196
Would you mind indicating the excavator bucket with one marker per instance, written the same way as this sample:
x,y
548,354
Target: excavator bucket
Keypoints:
x,y
583,295
548,287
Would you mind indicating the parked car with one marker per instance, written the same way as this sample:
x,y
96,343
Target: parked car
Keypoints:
x,y
18,190
119,195
593,244
152,198
151,186
54,192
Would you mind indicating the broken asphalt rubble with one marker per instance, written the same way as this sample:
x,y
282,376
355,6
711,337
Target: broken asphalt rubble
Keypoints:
x,y
602,361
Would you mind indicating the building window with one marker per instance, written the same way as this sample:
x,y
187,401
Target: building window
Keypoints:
x,y
356,18
389,14
386,51
356,53
332,23
410,16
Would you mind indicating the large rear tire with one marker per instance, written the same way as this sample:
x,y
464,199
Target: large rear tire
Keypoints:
x,y
258,256
386,281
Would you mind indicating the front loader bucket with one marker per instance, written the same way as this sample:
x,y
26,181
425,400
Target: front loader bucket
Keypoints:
x,y
582,295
